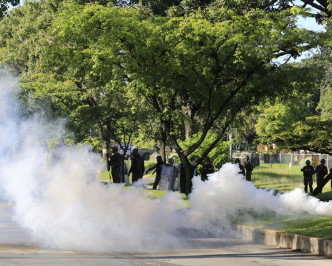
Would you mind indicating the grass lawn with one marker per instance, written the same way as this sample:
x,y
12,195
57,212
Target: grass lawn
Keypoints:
x,y
317,227
281,178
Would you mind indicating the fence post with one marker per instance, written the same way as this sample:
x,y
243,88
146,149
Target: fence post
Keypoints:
x,y
327,162
280,159
270,160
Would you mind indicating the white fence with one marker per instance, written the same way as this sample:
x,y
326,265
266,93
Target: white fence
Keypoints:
x,y
290,159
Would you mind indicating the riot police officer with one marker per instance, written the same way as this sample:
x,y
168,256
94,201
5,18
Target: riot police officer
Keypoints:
x,y
321,172
308,170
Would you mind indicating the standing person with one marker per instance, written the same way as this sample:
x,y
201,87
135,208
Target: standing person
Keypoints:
x,y
137,166
208,168
308,170
238,162
157,170
115,165
321,172
248,167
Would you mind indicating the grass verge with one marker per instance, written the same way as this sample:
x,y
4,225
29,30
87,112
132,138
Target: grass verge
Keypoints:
x,y
317,227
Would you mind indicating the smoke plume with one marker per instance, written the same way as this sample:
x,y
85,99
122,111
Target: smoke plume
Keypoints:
x,y
59,201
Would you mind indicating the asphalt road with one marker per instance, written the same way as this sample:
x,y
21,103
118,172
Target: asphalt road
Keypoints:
x,y
201,250
206,252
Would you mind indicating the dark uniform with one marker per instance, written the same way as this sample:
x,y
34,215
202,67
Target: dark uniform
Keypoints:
x,y
137,166
248,166
115,165
321,172
238,162
208,168
308,171
157,168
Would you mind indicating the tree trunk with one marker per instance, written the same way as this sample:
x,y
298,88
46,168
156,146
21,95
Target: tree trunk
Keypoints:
x,y
189,170
187,128
163,142
319,188
104,145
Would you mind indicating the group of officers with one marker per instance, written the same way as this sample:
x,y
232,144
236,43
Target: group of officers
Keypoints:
x,y
114,164
308,171
137,168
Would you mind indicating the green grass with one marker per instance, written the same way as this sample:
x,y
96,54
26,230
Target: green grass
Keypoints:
x,y
317,227
281,178
327,196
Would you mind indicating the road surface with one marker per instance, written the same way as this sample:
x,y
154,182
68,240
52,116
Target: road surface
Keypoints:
x,y
201,250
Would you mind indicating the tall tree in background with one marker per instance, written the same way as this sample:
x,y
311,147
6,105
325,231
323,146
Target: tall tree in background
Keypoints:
x,y
301,120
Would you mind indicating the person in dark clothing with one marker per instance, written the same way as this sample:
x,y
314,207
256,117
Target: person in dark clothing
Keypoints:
x,y
308,170
238,162
208,168
157,170
137,166
321,172
115,165
248,167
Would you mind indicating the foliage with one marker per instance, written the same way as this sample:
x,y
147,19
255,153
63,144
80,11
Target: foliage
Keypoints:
x,y
313,134
101,64
293,121
278,118
326,89
75,80
5,4
218,155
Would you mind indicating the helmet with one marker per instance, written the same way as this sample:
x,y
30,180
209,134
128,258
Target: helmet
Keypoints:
x,y
159,158
322,161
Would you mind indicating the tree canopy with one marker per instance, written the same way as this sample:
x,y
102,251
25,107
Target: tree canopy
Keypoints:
x,y
110,67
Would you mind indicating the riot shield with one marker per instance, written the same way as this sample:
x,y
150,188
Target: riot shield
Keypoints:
x,y
166,177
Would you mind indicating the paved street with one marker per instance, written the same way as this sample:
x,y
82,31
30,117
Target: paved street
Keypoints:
x,y
206,252
201,250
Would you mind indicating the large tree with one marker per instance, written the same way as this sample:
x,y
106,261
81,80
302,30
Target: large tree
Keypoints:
x,y
301,120
69,74
210,65
201,69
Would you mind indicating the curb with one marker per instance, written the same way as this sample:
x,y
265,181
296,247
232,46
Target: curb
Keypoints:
x,y
314,245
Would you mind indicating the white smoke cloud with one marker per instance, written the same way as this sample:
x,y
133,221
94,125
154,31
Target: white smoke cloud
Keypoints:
x,y
62,205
